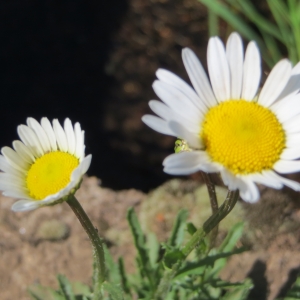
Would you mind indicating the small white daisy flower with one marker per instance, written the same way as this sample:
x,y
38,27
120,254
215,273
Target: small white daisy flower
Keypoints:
x,y
246,136
46,166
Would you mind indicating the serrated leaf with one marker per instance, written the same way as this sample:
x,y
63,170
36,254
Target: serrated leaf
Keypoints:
x,y
65,287
139,240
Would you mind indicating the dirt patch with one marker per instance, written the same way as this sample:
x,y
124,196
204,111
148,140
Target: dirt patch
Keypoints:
x,y
32,255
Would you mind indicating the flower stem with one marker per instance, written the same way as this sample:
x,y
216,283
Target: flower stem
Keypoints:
x,y
213,203
98,252
209,225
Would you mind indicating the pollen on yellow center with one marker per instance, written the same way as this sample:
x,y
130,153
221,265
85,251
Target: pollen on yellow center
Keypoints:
x,y
50,173
243,136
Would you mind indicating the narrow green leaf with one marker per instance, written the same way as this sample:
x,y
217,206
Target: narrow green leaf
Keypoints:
x,y
124,279
232,237
112,267
237,22
249,10
177,233
65,287
240,292
282,18
199,266
213,23
153,249
139,241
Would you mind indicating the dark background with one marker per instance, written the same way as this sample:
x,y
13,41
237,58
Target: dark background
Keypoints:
x,y
94,62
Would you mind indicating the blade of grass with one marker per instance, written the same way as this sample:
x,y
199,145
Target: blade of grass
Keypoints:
x,y
280,13
213,23
239,24
294,11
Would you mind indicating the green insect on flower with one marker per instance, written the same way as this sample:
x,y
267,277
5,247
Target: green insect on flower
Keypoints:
x,y
181,145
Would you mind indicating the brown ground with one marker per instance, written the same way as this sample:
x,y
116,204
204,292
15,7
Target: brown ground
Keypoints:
x,y
28,256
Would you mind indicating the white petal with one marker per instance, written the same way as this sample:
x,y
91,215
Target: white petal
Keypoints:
x,y
235,57
267,179
230,180
292,125
7,168
23,152
290,153
6,178
50,133
192,139
25,205
198,77
293,84
60,136
185,163
177,82
177,101
40,133
293,140
79,137
14,159
30,139
286,108
289,183
17,193
218,69
248,191
70,136
287,166
85,164
168,114
252,72
275,83
158,124
162,110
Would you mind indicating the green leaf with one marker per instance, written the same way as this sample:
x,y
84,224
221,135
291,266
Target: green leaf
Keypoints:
x,y
65,287
177,233
240,292
114,291
199,266
140,244
172,256
124,279
153,249
112,267
238,23
232,237
191,228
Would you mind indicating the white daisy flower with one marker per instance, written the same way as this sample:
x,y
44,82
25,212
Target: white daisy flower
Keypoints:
x,y
46,166
248,137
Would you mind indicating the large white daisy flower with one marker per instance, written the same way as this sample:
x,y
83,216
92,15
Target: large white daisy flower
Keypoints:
x,y
246,136
46,166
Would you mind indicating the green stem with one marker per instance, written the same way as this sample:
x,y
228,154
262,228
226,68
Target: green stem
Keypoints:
x,y
213,203
98,252
214,220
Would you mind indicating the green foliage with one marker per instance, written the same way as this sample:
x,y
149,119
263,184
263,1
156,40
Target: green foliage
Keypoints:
x,y
197,278
294,292
281,32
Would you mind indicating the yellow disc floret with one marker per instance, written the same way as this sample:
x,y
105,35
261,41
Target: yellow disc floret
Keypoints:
x,y
50,173
243,136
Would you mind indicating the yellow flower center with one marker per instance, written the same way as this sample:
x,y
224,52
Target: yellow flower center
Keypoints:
x,y
243,136
50,173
